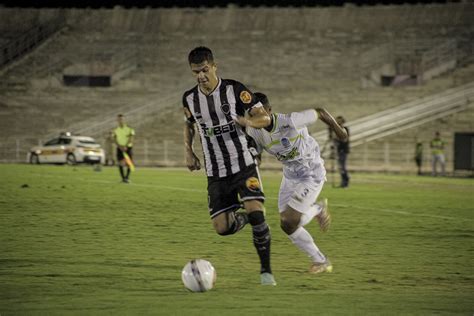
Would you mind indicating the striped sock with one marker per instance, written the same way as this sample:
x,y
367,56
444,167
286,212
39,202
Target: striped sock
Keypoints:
x,y
261,239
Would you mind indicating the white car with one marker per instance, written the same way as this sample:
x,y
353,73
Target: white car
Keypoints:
x,y
68,149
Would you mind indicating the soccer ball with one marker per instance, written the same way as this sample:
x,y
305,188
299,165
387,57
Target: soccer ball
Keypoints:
x,y
198,275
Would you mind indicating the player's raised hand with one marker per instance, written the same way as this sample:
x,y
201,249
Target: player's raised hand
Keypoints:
x,y
327,118
192,161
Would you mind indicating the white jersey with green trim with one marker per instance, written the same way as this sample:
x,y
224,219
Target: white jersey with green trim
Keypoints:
x,y
290,142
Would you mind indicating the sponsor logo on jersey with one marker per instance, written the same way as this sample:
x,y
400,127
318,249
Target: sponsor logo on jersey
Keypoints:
x,y
253,184
218,130
245,97
285,142
290,156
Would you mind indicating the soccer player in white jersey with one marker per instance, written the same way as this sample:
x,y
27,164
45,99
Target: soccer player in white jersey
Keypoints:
x,y
287,139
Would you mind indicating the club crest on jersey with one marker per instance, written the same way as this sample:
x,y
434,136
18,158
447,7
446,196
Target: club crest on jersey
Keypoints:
x,y
285,142
225,107
245,97
253,184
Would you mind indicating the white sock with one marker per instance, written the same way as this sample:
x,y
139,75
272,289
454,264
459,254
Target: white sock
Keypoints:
x,y
307,217
303,240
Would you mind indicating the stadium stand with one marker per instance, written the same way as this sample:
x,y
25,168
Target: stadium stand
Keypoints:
x,y
300,57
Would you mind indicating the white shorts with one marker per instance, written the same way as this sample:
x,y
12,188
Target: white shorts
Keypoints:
x,y
299,194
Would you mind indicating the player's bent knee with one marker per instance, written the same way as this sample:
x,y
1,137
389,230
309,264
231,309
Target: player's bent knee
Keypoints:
x,y
289,221
288,225
253,205
256,217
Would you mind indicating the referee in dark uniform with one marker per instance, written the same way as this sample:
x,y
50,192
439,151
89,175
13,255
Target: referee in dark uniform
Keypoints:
x,y
221,109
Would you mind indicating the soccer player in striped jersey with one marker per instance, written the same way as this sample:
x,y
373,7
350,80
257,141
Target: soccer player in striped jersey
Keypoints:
x,y
287,139
213,106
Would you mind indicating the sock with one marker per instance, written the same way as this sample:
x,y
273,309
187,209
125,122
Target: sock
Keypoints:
x,y
307,217
121,172
303,240
261,239
128,173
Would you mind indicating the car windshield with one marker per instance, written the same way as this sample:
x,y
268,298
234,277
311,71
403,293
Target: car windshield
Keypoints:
x,y
87,142
65,141
52,142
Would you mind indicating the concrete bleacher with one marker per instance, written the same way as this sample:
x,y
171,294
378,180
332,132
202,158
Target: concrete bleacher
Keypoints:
x,y
396,152
299,57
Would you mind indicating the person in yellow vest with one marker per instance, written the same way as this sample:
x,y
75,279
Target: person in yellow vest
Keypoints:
x,y
437,152
124,136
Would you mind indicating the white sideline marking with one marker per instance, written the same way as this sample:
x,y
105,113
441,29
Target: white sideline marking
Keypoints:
x,y
268,198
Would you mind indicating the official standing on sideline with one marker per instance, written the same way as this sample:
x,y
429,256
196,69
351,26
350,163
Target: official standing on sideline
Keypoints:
x,y
124,136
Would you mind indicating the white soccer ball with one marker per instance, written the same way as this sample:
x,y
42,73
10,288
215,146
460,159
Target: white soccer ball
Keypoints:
x,y
199,275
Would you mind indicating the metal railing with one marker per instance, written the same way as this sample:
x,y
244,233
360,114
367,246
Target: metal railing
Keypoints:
x,y
385,156
409,57
408,115
136,114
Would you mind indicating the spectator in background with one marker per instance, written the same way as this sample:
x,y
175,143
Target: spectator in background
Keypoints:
x,y
342,148
419,156
109,148
437,152
123,136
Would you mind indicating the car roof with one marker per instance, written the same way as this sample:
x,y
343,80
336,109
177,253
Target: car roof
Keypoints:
x,y
78,138
83,138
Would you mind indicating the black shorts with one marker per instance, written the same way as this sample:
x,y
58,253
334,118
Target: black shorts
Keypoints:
x,y
120,153
224,193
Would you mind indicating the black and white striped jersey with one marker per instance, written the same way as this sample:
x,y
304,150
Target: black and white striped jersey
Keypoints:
x,y
223,141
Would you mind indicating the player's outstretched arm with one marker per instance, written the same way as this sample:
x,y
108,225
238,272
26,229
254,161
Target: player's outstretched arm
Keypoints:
x,y
257,118
192,161
327,118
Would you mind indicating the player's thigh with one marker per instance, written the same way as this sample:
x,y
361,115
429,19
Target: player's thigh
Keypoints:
x,y
302,194
221,198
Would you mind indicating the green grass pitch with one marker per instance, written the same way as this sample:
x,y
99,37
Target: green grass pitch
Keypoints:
x,y
76,241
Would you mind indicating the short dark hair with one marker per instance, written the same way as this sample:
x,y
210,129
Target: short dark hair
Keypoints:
x,y
199,55
262,98
341,118
120,115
